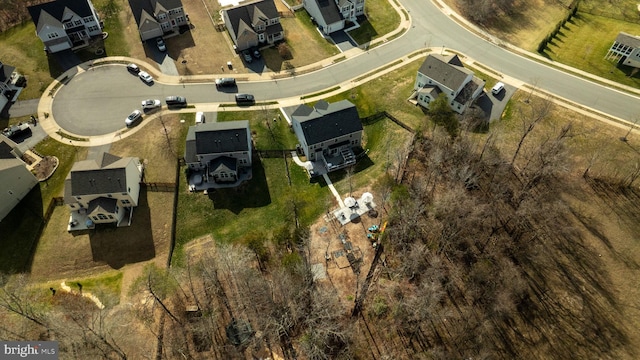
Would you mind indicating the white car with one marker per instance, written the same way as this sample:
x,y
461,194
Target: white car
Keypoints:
x,y
150,104
145,77
161,46
133,117
497,88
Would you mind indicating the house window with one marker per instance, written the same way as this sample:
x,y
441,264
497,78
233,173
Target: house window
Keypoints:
x,y
78,22
88,19
180,19
52,35
93,28
125,201
111,217
162,16
102,216
95,218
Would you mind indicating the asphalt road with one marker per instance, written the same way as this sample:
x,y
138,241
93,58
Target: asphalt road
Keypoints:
x,y
96,102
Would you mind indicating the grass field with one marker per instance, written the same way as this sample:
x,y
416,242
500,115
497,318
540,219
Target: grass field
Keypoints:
x,y
381,19
269,130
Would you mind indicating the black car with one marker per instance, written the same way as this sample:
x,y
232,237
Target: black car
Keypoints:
x,y
176,101
133,68
225,82
247,56
244,99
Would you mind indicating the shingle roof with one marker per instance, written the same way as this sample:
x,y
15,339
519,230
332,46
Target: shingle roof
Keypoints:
x,y
248,12
327,121
628,39
329,11
56,9
5,72
445,70
216,137
103,176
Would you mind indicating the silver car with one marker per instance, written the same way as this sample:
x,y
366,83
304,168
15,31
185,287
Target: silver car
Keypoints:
x,y
150,104
145,77
133,117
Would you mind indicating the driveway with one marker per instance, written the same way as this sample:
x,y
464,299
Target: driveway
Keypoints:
x,y
343,41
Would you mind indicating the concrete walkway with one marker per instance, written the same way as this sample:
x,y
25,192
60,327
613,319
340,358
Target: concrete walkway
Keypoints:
x,y
333,190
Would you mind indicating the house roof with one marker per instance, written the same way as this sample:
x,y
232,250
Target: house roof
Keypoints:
x,y
7,147
216,137
327,121
468,90
142,11
628,39
56,10
230,164
329,11
446,70
5,72
105,175
102,205
250,13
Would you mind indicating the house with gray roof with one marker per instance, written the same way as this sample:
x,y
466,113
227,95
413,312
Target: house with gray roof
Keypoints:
x,y
326,15
218,155
102,191
254,23
16,179
445,74
625,50
65,24
328,133
10,85
158,18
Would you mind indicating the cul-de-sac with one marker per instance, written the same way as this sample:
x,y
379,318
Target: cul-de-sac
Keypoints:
x,y
319,179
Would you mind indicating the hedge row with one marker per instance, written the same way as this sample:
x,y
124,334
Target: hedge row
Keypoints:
x,y
543,44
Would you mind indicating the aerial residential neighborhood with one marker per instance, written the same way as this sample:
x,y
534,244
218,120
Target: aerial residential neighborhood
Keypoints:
x,y
319,179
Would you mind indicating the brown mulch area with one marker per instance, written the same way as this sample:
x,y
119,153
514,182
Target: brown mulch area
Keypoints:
x,y
45,168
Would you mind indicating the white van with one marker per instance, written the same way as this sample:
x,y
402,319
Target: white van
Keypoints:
x,y
199,117
497,88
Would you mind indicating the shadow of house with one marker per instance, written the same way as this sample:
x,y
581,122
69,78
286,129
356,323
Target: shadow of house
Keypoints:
x,y
252,194
16,179
120,246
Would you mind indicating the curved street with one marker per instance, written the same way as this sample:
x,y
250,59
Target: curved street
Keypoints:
x,y
95,102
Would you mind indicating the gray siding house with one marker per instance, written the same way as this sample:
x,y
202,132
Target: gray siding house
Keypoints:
x,y
626,50
326,15
446,74
218,155
253,23
158,18
15,177
328,133
65,24
103,191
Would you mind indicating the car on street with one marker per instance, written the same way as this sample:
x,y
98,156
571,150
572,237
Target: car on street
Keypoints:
x,y
247,56
244,99
133,68
225,82
176,101
133,117
150,104
145,77
161,45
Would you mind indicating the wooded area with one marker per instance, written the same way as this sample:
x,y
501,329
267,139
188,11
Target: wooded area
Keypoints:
x,y
14,12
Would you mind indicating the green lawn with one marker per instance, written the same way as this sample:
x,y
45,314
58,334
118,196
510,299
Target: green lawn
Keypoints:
x,y
583,43
267,134
381,19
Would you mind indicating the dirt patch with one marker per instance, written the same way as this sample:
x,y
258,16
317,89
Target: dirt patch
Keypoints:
x,y
44,168
336,247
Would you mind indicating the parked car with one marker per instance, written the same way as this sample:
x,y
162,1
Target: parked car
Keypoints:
x,y
247,56
244,99
161,45
133,117
145,77
150,104
133,68
16,130
497,88
256,54
199,117
176,101
222,82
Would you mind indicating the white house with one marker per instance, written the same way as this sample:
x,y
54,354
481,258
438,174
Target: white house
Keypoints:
x,y
103,191
158,18
65,24
253,23
326,15
446,74
626,49
218,154
328,133
15,178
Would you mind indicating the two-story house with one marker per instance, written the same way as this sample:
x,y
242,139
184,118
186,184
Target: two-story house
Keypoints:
x,y
158,18
10,85
16,179
65,24
328,133
626,50
218,154
103,191
253,23
446,74
332,15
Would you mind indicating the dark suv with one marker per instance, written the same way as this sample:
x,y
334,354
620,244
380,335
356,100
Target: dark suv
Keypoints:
x,y
176,101
244,99
225,82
